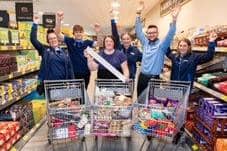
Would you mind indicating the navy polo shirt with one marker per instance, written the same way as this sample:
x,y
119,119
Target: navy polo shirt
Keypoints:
x,y
115,59
57,62
133,56
76,52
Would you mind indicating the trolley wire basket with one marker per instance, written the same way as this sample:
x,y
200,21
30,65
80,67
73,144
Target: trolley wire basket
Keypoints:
x,y
112,108
161,111
68,109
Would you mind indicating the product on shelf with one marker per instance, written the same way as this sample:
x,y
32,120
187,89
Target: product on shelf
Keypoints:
x,y
216,80
221,86
14,37
24,34
9,134
221,145
8,64
211,121
38,109
4,36
27,60
200,36
16,88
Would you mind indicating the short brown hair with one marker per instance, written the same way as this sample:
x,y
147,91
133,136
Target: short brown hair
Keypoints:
x,y
188,43
78,28
111,37
152,26
49,31
122,35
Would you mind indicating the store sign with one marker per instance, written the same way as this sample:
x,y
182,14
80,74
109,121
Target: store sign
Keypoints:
x,y
4,18
167,5
49,20
24,11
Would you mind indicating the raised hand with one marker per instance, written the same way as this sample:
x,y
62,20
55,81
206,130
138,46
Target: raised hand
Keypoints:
x,y
89,57
212,37
60,15
36,19
140,7
175,12
112,14
97,27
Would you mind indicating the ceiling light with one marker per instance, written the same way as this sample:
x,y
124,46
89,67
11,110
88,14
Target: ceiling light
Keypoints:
x,y
66,24
115,4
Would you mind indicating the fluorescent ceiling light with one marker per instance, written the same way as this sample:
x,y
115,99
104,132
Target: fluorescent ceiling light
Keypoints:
x,y
115,4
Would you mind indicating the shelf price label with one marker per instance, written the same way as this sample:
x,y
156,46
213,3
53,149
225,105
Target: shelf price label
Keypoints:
x,y
224,97
10,76
13,149
25,138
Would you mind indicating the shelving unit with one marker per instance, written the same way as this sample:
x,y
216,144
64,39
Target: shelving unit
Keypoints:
x,y
20,144
14,48
204,49
18,74
212,92
16,99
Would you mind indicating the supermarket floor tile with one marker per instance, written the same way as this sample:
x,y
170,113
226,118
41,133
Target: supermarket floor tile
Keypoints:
x,y
39,142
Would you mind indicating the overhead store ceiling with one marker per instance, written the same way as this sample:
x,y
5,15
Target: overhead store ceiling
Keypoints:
x,y
88,12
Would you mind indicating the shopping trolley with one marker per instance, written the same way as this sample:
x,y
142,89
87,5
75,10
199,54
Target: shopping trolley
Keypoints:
x,y
160,112
68,113
112,109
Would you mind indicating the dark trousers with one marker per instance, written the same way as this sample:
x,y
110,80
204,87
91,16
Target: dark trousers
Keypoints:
x,y
85,77
143,82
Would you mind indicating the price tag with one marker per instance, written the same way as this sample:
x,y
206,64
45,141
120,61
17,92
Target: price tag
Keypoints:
x,y
23,72
10,76
13,149
224,97
25,138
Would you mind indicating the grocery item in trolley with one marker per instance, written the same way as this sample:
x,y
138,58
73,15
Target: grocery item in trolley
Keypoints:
x,y
112,108
68,110
162,112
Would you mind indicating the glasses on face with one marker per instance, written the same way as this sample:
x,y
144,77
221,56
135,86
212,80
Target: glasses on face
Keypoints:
x,y
150,33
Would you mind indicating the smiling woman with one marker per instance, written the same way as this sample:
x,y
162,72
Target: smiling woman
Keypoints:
x,y
55,64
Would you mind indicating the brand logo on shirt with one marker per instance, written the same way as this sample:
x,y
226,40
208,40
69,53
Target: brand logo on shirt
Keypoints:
x,y
132,53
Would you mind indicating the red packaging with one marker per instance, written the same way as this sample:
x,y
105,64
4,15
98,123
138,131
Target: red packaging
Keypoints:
x,y
2,139
3,148
72,130
6,133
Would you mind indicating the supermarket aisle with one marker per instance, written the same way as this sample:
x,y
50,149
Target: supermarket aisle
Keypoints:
x,y
39,143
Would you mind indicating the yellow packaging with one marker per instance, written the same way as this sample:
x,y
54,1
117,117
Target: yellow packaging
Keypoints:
x,y
39,109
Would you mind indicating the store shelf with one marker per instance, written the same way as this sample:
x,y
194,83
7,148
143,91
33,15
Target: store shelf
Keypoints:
x,y
203,66
14,48
17,74
201,122
210,91
20,144
203,136
210,63
204,49
16,99
198,85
